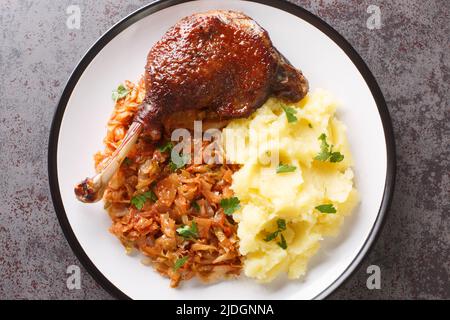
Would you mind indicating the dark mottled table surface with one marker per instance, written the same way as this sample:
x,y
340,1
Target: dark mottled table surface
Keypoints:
x,y
409,56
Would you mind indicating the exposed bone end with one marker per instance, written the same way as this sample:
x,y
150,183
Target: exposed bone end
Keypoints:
x,y
91,189
88,192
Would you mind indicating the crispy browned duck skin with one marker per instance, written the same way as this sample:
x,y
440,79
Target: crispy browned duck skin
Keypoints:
x,y
221,61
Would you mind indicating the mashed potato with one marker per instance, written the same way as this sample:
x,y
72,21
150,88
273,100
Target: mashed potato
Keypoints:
x,y
280,226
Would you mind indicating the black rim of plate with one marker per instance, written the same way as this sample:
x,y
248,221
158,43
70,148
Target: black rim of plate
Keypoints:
x,y
162,4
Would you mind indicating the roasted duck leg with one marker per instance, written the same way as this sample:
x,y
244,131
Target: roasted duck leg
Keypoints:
x,y
218,61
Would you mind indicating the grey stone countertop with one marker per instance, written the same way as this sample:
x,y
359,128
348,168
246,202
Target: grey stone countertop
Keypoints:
x,y
409,55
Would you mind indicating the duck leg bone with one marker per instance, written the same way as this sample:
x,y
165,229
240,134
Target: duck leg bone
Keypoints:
x,y
91,189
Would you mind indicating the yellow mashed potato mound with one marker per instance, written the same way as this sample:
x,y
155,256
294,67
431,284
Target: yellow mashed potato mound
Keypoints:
x,y
266,197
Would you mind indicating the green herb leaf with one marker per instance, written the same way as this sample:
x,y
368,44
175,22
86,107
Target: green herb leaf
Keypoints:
x,y
281,224
336,157
188,231
310,125
290,113
172,166
180,262
326,152
196,206
139,200
120,93
326,208
151,195
282,243
230,205
179,161
271,236
167,147
282,168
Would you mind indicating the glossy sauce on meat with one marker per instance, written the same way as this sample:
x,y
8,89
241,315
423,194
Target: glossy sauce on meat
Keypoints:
x,y
222,61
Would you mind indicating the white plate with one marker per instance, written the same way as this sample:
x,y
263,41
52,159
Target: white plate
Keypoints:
x,y
326,59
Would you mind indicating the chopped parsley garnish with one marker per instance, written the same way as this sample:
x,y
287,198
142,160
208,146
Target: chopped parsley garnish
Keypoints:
x,y
336,157
271,236
326,208
326,152
196,206
290,113
282,243
179,161
230,205
139,200
310,125
166,147
281,223
282,168
120,93
188,231
152,196
180,262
